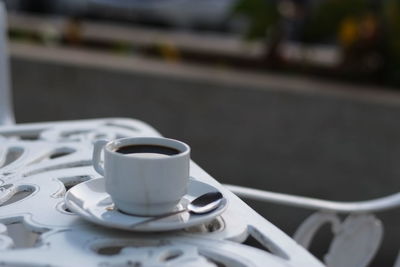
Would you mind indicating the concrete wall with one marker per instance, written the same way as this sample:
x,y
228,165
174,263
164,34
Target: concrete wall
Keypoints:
x,y
322,143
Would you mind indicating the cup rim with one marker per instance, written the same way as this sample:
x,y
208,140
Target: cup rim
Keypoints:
x,y
182,147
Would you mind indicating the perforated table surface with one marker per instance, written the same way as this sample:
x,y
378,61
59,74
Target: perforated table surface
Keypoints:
x,y
39,162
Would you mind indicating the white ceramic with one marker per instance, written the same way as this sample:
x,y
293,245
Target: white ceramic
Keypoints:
x,y
140,184
89,200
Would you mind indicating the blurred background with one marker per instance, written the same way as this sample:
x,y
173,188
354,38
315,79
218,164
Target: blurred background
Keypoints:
x,y
293,96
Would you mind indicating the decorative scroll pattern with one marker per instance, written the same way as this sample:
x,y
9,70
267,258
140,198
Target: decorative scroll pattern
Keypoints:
x,y
40,162
356,239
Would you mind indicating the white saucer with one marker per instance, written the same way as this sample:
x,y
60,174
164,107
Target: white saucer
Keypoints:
x,y
90,201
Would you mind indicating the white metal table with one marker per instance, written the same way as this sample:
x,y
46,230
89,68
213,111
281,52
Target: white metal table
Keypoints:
x,y
40,161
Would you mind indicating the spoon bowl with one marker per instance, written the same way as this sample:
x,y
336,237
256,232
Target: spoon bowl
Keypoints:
x,y
200,205
205,203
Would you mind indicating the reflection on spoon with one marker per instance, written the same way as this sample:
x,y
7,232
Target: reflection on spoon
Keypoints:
x,y
200,205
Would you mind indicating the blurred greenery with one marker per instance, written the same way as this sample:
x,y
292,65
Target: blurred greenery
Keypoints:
x,y
261,15
325,19
366,32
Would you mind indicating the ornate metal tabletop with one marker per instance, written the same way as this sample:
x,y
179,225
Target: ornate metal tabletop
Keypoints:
x,y
40,162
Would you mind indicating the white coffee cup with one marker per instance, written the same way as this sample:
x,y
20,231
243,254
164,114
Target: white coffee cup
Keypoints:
x,y
148,182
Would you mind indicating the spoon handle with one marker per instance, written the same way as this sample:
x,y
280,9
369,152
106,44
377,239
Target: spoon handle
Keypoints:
x,y
159,217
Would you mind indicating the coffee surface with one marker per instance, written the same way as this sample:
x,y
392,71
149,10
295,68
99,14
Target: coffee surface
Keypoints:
x,y
147,150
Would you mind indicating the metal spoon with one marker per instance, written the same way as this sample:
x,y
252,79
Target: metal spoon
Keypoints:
x,y
200,205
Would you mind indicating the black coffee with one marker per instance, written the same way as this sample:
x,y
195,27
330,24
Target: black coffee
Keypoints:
x,y
147,149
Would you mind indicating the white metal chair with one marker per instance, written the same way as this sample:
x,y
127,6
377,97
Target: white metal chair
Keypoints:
x,y
356,238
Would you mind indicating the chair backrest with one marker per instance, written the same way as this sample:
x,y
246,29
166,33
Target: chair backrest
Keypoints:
x,y
6,107
357,233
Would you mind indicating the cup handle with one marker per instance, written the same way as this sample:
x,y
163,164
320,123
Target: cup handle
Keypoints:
x,y
98,147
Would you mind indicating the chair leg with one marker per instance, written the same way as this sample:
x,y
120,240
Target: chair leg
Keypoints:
x,y
6,106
